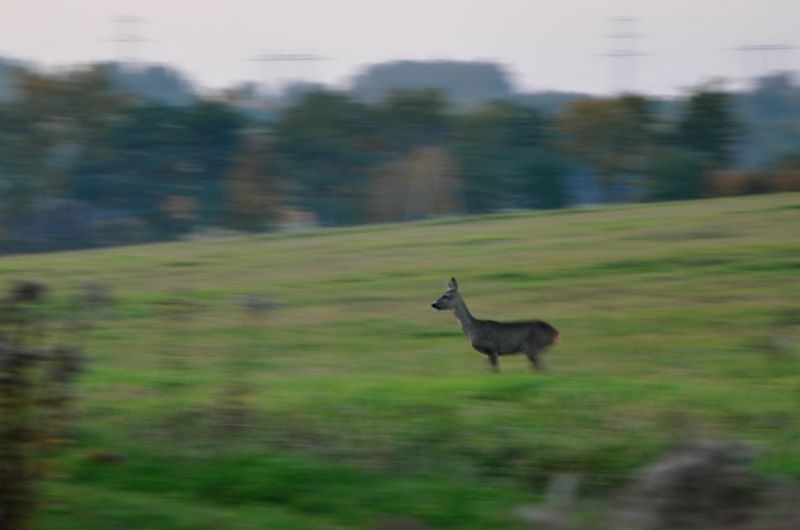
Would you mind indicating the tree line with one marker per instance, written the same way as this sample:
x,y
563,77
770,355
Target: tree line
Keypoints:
x,y
86,163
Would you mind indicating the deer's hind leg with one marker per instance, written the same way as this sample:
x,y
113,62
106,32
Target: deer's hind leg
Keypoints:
x,y
493,359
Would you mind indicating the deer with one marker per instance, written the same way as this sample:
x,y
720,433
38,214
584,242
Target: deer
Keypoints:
x,y
492,338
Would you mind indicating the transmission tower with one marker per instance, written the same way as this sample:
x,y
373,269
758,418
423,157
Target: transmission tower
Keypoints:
x,y
758,60
268,60
623,53
128,39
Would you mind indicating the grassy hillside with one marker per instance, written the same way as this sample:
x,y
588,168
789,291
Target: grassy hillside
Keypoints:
x,y
358,401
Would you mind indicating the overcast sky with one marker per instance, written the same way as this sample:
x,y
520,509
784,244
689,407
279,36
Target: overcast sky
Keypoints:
x,y
555,44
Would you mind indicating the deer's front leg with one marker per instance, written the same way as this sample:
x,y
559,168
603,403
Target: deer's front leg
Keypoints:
x,y
485,344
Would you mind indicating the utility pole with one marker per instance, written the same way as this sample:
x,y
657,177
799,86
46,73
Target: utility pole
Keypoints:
x,y
623,53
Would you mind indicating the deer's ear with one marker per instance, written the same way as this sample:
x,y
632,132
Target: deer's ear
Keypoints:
x,y
452,284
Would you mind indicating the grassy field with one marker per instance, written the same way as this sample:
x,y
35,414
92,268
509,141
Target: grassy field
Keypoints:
x,y
357,401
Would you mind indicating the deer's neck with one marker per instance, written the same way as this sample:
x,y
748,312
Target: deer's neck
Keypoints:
x,y
464,317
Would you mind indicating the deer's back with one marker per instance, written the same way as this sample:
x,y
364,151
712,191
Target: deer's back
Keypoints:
x,y
511,337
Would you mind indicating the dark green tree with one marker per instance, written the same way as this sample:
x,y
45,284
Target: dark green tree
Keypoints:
x,y
506,159
164,164
326,144
708,125
143,164
410,119
213,137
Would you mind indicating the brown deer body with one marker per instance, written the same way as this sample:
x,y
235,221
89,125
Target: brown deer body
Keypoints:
x,y
492,338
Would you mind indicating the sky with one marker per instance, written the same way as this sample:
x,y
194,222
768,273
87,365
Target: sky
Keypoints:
x,y
543,45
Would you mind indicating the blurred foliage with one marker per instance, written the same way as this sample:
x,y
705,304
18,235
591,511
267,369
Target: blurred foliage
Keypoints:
x,y
92,157
36,379
421,184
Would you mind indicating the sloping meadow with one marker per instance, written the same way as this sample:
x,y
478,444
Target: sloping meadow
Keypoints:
x,y
300,380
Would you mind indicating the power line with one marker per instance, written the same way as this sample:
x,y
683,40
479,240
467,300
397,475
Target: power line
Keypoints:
x,y
287,57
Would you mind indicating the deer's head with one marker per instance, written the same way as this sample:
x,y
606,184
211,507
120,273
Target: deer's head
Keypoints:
x,y
449,297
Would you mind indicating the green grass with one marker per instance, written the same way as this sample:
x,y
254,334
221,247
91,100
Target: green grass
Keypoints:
x,y
365,403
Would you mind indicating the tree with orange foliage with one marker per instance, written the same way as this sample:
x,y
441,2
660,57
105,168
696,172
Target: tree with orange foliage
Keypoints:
x,y
421,184
253,191
610,136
